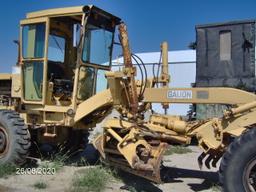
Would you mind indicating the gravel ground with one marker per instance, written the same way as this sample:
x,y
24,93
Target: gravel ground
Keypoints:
x,y
181,174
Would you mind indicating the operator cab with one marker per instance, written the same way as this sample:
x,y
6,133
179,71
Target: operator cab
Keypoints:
x,y
65,54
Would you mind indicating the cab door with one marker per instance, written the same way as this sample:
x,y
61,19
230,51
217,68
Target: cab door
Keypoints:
x,y
34,38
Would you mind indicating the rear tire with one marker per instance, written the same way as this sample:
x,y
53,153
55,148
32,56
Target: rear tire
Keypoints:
x,y
238,166
14,138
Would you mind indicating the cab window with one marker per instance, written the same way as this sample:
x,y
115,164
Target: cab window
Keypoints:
x,y
33,80
33,40
86,82
102,82
97,46
56,49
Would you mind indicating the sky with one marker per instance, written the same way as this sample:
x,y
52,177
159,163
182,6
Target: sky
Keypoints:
x,y
149,22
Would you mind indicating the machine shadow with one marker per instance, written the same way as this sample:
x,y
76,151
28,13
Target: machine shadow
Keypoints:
x,y
170,175
173,174
136,183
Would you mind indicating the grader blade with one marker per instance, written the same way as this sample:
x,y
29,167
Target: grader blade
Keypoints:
x,y
136,157
98,144
153,176
149,170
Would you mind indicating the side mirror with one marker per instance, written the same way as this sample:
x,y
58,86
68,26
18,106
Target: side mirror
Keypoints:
x,y
17,42
76,34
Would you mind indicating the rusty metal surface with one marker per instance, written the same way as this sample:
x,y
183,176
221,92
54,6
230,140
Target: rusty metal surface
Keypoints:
x,y
152,173
129,142
132,90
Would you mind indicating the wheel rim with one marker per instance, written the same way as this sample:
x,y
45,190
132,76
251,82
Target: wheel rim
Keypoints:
x,y
249,178
3,141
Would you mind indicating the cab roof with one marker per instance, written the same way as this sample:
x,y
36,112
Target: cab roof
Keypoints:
x,y
56,12
68,11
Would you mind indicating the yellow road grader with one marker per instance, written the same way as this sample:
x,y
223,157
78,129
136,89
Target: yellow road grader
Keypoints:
x,y
62,86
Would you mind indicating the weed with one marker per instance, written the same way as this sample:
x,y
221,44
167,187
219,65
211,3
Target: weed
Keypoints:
x,y
7,169
93,179
40,185
215,188
57,160
177,149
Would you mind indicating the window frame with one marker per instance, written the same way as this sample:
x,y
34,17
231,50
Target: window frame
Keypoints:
x,y
39,95
111,46
93,82
65,44
44,59
97,80
24,49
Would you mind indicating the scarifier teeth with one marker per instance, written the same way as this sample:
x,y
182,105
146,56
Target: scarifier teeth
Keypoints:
x,y
207,161
211,160
215,161
200,160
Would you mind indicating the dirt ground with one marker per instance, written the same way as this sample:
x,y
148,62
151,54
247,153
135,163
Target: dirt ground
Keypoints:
x,y
181,173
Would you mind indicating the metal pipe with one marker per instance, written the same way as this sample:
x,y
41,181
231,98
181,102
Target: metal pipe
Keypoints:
x,y
241,109
45,64
165,73
78,64
170,138
129,68
114,134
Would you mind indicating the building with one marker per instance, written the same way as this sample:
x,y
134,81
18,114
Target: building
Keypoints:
x,y
182,69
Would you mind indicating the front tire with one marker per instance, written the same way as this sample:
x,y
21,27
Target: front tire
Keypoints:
x,y
14,138
238,166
